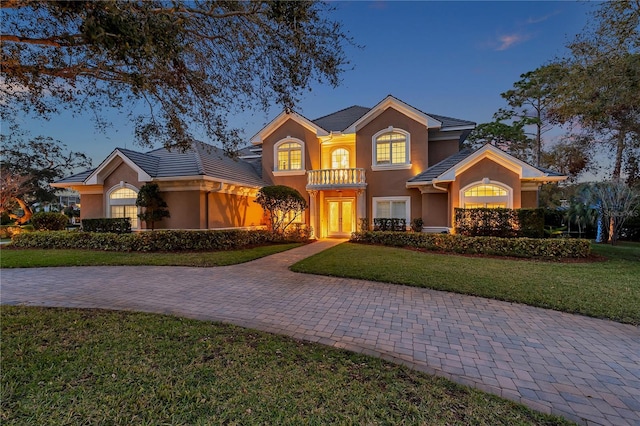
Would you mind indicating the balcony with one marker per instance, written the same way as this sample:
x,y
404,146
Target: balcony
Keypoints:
x,y
336,179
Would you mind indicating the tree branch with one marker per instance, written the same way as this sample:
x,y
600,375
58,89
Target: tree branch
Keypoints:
x,y
65,40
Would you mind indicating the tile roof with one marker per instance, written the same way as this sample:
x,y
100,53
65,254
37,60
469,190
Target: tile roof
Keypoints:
x,y
340,120
441,167
78,177
450,121
200,160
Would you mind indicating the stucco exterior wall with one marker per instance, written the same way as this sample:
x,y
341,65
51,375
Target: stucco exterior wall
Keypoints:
x,y
441,149
229,210
435,209
487,168
389,183
92,206
312,157
184,207
122,173
529,199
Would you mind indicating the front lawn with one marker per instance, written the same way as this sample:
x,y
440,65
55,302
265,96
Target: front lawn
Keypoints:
x,y
31,258
604,289
62,366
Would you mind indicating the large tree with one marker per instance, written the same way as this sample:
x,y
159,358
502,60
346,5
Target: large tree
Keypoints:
x,y
599,84
510,138
28,167
529,101
177,65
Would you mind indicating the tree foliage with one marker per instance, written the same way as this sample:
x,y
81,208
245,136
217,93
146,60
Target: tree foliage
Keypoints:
x,y
177,65
155,208
510,138
529,101
616,202
282,204
598,85
28,167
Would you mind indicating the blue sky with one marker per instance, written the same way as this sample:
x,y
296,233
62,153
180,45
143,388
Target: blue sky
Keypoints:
x,y
447,58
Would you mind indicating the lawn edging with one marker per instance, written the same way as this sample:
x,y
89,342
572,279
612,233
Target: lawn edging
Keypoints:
x,y
545,248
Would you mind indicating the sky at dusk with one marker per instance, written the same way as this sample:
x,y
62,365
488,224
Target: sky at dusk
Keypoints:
x,y
447,58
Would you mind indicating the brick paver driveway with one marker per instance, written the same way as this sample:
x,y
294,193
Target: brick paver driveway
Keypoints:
x,y
585,369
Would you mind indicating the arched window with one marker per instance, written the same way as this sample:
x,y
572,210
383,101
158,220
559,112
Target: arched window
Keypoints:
x,y
391,149
289,156
486,194
121,200
340,159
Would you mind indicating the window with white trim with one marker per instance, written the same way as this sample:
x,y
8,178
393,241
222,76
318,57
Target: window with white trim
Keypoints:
x,y
122,203
391,149
289,156
484,194
392,208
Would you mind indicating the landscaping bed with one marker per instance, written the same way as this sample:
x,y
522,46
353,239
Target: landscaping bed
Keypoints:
x,y
544,248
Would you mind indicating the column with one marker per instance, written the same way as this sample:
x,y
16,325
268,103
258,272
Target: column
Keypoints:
x,y
361,210
313,214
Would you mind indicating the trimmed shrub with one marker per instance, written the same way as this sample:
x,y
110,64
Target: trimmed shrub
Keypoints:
x,y
389,224
120,225
416,224
49,221
500,222
148,241
516,247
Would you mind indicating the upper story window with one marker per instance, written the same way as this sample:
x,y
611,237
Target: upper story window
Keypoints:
x,y
340,159
289,157
391,149
487,195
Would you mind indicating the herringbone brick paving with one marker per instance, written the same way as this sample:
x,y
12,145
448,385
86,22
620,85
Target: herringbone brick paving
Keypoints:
x,y
585,369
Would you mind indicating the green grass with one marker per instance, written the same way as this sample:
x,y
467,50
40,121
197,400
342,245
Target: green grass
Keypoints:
x,y
62,366
31,258
604,289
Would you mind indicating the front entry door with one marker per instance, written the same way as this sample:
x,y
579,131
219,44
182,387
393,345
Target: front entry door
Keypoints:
x,y
340,217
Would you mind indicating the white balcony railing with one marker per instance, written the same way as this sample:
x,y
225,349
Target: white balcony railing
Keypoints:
x,y
336,178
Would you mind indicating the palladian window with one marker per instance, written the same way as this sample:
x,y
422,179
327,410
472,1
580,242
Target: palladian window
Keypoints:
x,y
122,203
487,195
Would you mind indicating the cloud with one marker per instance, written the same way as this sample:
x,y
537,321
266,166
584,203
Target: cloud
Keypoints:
x,y
534,20
507,41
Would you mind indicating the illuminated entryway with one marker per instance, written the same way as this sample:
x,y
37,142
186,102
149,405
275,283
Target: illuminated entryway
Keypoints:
x,y
340,217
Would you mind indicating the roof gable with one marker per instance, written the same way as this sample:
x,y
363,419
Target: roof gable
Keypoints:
x,y
259,137
141,163
448,169
404,108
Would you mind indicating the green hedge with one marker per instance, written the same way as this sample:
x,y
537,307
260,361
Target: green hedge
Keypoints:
x,y
146,241
485,222
517,247
8,231
120,225
389,224
49,221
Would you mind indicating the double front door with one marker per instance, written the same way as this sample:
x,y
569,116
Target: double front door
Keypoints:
x,y
340,212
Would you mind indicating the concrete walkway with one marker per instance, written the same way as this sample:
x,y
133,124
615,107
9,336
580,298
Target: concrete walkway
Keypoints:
x,y
585,369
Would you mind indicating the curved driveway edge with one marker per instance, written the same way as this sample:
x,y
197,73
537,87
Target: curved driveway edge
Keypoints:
x,y
585,369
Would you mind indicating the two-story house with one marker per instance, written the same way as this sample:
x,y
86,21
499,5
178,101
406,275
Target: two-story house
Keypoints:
x,y
354,165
